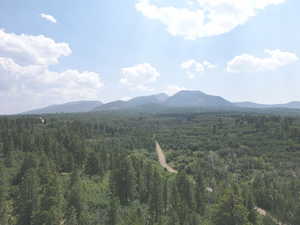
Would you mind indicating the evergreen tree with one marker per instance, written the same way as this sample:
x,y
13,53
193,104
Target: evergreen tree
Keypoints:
x,y
230,210
28,198
93,165
165,197
112,217
29,162
50,210
156,200
185,190
75,198
71,217
296,219
123,181
200,194
3,198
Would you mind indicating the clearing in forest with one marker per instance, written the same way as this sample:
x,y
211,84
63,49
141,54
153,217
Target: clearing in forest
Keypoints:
x,y
162,158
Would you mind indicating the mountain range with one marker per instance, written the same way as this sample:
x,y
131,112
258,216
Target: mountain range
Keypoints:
x,y
70,107
290,105
159,102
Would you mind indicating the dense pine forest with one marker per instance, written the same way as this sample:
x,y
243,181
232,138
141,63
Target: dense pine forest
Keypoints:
x,y
102,169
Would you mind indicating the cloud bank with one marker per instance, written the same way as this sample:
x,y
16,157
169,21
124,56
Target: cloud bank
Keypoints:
x,y
25,76
250,63
204,18
32,50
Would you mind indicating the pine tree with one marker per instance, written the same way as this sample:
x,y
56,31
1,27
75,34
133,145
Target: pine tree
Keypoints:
x,y
156,203
71,217
50,210
28,198
123,181
3,198
112,216
165,197
75,199
296,219
200,195
252,211
30,162
185,190
230,210
92,166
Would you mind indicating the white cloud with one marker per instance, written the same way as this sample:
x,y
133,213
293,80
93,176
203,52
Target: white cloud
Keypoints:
x,y
48,18
173,89
27,50
192,67
48,85
139,76
26,80
205,18
250,63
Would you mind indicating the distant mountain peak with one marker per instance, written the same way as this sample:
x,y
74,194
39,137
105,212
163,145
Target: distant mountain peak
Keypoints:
x,y
190,98
189,93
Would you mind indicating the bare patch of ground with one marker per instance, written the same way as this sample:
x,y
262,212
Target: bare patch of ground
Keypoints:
x,y
162,159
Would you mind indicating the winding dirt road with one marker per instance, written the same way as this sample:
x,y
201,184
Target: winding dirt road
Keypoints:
x,y
163,162
162,159
263,212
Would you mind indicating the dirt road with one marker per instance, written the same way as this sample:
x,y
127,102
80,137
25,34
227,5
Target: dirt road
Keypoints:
x,y
264,213
162,158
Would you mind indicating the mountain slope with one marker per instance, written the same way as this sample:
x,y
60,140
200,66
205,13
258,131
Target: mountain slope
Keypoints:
x,y
197,99
251,105
181,101
70,107
133,103
290,105
161,102
152,99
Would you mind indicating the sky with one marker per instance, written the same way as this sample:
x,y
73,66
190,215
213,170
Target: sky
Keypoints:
x,y
52,52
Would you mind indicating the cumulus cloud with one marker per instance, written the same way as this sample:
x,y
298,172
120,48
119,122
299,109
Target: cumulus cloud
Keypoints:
x,y
48,18
250,63
27,50
139,76
204,18
193,67
25,76
26,83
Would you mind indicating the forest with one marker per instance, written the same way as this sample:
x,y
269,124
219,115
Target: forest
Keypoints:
x,y
233,168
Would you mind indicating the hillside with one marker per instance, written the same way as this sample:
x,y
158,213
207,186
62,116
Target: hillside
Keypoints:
x,y
183,101
70,107
290,105
133,103
197,99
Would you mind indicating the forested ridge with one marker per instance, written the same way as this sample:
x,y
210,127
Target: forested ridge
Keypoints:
x,y
102,169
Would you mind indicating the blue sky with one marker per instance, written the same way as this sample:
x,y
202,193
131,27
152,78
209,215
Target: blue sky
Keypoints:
x,y
107,50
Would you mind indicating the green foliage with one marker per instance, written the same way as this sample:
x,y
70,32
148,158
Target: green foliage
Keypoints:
x,y
230,210
101,169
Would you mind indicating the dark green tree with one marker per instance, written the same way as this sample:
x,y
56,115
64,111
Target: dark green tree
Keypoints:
x,y
28,198
3,198
51,206
230,210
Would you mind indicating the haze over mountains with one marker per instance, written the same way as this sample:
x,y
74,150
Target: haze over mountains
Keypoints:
x,y
70,107
290,105
182,100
